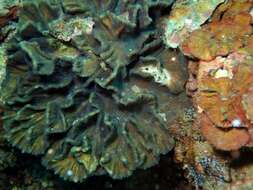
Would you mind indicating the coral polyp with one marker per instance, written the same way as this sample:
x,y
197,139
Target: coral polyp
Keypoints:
x,y
89,86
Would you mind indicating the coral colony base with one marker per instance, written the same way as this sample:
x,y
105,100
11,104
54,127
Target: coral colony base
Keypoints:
x,y
106,87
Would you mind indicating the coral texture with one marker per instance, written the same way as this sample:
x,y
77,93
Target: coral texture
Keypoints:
x,y
8,11
219,38
90,87
222,85
185,17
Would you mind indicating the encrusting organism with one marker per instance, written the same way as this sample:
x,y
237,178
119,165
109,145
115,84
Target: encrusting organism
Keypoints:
x,y
222,50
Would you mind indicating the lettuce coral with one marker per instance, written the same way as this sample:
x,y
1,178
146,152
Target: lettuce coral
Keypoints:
x,y
79,91
8,11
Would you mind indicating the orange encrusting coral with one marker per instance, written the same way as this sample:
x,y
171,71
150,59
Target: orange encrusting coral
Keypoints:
x,y
221,97
247,102
218,38
224,98
223,49
228,139
231,8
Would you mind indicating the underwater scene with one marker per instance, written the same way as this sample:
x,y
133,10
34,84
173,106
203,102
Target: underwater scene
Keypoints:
x,y
126,94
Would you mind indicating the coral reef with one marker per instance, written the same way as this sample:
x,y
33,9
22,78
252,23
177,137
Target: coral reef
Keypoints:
x,y
219,38
205,166
7,155
8,16
185,17
221,79
8,11
95,90
88,93
220,83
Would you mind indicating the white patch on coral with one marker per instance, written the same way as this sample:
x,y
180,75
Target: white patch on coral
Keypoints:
x,y
251,12
236,123
221,73
83,26
173,59
125,16
163,116
136,89
89,25
69,173
77,32
188,22
161,76
50,151
67,30
222,66
199,109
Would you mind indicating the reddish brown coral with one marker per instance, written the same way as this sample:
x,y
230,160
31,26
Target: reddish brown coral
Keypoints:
x,y
222,88
225,139
218,38
231,8
192,83
220,97
225,101
247,102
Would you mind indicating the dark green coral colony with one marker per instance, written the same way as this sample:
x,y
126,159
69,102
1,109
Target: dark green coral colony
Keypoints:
x,y
89,86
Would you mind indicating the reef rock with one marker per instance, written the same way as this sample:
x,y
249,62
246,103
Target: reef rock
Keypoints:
x,y
185,17
222,84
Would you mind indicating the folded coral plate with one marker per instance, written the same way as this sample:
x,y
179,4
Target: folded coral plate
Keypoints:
x,y
89,86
